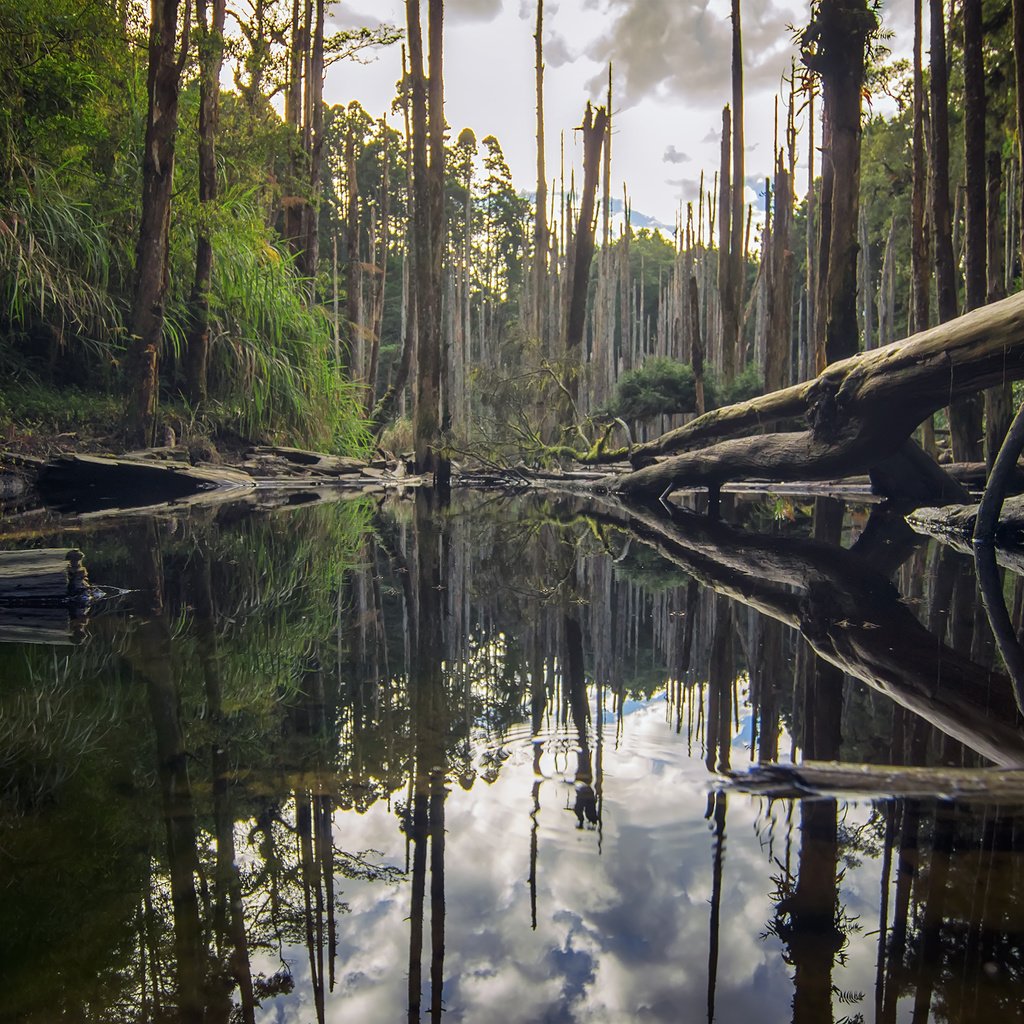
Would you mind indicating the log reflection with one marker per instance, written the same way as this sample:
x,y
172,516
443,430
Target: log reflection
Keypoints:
x,y
851,616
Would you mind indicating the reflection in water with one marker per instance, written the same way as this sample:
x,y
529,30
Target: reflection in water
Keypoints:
x,y
332,762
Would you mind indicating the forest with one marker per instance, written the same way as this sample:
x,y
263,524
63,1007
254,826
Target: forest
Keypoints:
x,y
194,245
321,733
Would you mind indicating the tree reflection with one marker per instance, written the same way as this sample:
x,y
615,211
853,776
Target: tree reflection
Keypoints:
x,y
276,677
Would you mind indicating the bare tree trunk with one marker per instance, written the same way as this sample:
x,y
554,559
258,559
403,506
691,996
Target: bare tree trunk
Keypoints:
x,y
920,271
382,240
428,181
593,139
737,246
1018,69
211,54
780,293
728,339
540,227
998,400
313,137
964,416
152,250
293,118
353,282
974,157
834,46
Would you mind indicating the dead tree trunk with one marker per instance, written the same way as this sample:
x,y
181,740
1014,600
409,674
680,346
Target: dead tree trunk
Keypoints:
x,y
834,46
737,248
728,340
152,250
593,138
998,400
211,54
780,291
964,417
1018,74
428,183
540,226
353,282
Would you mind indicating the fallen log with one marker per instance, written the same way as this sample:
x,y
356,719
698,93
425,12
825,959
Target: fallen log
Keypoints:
x,y
41,576
860,411
85,483
881,782
955,523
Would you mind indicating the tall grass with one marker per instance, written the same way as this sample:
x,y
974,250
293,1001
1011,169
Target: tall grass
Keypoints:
x,y
65,288
271,353
56,272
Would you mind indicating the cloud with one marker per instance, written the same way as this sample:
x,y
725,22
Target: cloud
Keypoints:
x,y
682,49
557,52
674,156
687,188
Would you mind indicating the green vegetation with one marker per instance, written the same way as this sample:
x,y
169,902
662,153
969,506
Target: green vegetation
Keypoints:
x,y
664,387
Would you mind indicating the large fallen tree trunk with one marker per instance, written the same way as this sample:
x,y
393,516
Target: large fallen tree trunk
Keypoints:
x,y
860,411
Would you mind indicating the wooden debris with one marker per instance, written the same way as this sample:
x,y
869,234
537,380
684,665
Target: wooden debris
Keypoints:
x,y
42,576
833,778
83,483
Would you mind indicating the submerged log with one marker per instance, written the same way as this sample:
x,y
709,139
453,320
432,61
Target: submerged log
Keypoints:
x,y
860,411
54,576
879,782
85,483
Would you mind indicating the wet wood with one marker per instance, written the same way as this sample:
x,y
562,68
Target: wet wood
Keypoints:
x,y
956,522
265,460
833,778
81,483
42,576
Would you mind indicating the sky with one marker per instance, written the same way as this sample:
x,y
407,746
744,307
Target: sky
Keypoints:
x,y
670,78
622,929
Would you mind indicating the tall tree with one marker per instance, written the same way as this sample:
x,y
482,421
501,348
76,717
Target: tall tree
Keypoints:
x,y
734,354
1018,74
210,25
593,139
964,415
834,46
428,185
153,248
540,226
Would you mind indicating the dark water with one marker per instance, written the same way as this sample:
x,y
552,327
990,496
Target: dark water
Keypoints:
x,y
345,762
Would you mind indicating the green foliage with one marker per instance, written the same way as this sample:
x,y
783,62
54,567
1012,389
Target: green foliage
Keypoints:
x,y
58,272
659,387
664,387
271,354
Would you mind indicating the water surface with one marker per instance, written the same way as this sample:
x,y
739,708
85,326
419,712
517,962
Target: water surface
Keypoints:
x,y
346,761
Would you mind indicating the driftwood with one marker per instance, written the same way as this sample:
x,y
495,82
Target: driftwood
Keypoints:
x,y
54,576
832,778
955,523
83,483
849,612
860,411
44,596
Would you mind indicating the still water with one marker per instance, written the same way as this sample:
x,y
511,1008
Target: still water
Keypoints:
x,y
369,762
